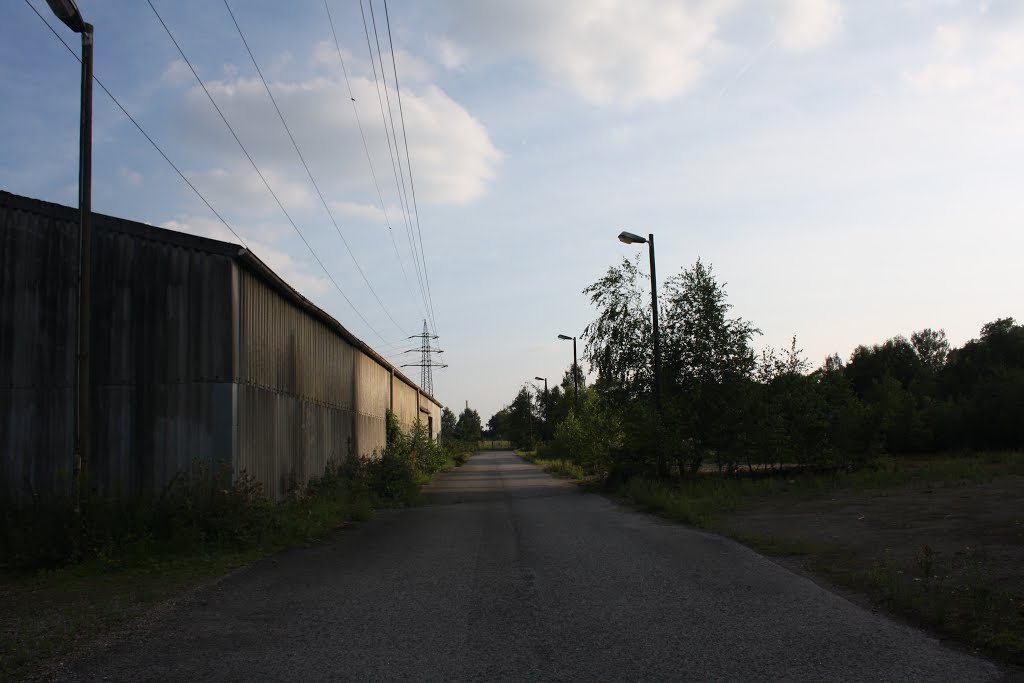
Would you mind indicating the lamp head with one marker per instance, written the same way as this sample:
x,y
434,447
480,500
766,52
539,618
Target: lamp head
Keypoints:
x,y
630,238
67,11
562,336
541,379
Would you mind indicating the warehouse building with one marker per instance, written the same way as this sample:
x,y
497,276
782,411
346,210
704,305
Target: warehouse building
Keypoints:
x,y
198,350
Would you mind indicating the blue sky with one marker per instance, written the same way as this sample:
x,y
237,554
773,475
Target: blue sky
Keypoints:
x,y
852,170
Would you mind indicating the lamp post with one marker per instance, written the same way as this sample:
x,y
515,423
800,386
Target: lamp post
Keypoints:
x,y
575,375
67,11
630,238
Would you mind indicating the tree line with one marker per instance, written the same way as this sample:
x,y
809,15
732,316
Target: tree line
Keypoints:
x,y
726,405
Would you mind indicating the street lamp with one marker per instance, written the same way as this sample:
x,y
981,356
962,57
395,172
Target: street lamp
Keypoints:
x,y
67,11
575,376
630,238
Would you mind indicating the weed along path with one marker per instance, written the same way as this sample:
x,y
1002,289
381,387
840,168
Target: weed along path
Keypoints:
x,y
509,574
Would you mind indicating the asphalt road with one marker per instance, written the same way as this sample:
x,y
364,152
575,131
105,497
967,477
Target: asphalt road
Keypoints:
x,y
510,574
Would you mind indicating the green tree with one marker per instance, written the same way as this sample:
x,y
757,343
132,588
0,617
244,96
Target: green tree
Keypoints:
x,y
468,428
702,344
591,435
448,423
498,426
618,343
931,347
523,423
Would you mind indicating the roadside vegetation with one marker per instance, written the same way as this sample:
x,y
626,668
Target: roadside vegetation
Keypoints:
x,y
896,472
67,575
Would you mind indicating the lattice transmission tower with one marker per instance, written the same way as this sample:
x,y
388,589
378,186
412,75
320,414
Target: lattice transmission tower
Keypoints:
x,y
426,364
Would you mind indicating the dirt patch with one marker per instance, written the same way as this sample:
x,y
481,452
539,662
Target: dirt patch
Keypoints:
x,y
975,527
947,556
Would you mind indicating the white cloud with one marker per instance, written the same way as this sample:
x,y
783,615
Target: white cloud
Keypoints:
x,y
240,187
410,68
616,51
451,55
949,38
980,52
942,77
802,25
624,52
452,155
177,72
131,177
367,212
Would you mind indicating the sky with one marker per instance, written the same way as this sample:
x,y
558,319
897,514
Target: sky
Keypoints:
x,y
851,170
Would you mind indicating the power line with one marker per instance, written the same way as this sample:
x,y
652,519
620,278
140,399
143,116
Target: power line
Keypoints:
x,y
403,199
157,147
260,174
144,133
366,149
308,172
398,152
408,162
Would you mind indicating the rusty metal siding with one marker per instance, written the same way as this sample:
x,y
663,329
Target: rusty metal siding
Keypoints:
x,y
286,350
160,350
285,437
373,396
198,350
296,389
406,405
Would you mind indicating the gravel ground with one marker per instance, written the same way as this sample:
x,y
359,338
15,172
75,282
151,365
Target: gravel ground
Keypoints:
x,y
510,574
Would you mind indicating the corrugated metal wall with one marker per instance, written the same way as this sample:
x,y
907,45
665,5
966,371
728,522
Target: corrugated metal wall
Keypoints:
x,y
161,360
373,396
198,351
37,328
296,406
161,357
405,404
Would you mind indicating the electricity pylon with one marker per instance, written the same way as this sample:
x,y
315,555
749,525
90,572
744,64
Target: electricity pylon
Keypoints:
x,y
426,364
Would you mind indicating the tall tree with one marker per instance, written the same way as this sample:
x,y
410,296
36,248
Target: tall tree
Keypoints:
x,y
931,347
448,423
468,428
618,345
702,343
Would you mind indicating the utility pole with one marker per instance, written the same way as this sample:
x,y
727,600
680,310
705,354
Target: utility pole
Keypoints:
x,y
67,11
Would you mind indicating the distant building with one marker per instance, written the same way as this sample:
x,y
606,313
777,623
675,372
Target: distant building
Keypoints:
x,y
199,350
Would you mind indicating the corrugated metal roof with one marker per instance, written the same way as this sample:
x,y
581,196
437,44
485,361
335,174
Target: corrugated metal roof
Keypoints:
x,y
237,252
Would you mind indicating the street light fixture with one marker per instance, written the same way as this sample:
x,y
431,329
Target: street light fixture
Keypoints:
x,y
67,11
575,372
630,238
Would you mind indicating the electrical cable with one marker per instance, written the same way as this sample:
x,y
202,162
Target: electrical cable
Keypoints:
x,y
144,133
398,153
308,172
260,174
408,164
369,159
400,185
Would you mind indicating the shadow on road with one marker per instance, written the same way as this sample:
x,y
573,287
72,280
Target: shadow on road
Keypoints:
x,y
491,476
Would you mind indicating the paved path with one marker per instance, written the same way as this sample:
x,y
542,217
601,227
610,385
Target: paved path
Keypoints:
x,y
510,574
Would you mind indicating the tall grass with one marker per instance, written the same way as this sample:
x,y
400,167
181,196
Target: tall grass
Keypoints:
x,y
207,510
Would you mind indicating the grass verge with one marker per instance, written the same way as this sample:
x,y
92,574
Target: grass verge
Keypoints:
x,y
556,466
67,578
